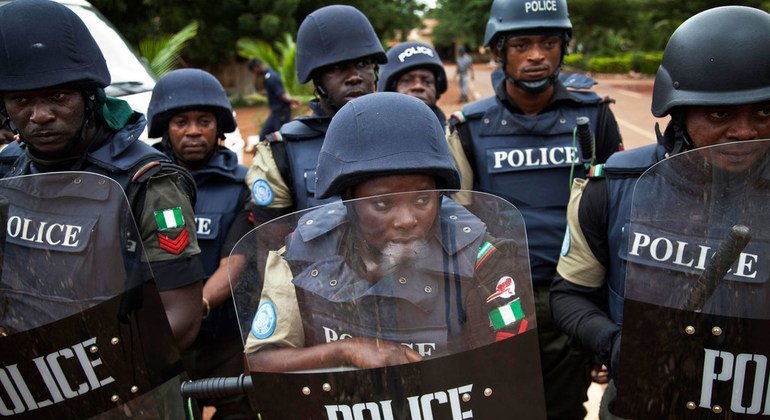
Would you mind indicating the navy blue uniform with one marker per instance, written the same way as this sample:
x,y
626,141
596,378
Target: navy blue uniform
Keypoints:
x,y
530,160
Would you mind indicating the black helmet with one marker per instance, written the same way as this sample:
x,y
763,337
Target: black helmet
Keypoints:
x,y
184,89
717,57
334,34
408,56
363,142
527,16
44,44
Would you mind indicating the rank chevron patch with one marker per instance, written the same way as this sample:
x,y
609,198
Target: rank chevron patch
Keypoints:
x,y
174,246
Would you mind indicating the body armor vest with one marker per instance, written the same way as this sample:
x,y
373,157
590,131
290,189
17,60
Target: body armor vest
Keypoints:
x,y
621,172
530,160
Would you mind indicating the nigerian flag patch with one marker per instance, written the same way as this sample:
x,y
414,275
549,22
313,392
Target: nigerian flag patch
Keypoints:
x,y
506,315
169,218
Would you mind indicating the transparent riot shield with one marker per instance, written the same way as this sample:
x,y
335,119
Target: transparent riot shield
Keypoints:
x,y
696,310
83,333
403,306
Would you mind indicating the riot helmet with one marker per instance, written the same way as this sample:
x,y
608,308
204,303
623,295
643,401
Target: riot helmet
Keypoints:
x,y
362,142
509,18
408,56
715,58
334,34
186,89
59,52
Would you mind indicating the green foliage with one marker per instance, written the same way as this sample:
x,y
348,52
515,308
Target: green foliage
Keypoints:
x,y
224,22
461,22
640,62
610,64
164,54
281,59
576,60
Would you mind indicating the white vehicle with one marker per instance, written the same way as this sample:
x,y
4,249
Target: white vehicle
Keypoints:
x,y
132,80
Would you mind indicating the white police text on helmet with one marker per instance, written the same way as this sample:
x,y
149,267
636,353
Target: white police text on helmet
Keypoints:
x,y
419,49
21,388
540,6
747,375
420,407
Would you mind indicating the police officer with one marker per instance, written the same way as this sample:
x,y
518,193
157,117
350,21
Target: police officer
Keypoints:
x,y
519,145
415,69
366,155
713,82
52,80
278,100
190,111
339,51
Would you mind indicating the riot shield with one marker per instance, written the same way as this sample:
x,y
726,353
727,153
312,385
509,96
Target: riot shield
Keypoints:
x,y
696,315
84,333
425,314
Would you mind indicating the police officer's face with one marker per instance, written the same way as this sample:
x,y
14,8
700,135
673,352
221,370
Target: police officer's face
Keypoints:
x,y
420,83
532,57
48,119
402,219
710,125
348,80
193,134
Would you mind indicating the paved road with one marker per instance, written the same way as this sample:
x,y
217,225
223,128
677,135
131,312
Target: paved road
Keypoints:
x,y
633,97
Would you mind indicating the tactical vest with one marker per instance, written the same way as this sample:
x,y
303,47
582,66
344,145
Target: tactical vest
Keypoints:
x,y
303,139
220,185
64,257
529,160
621,172
417,305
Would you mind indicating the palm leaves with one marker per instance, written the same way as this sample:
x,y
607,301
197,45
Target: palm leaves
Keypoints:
x,y
281,61
164,54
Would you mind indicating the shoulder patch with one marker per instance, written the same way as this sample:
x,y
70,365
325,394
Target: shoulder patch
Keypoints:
x,y
485,251
506,315
596,171
168,219
506,288
274,137
262,192
457,118
264,321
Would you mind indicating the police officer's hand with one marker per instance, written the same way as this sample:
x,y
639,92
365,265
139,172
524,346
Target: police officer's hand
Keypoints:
x,y
367,353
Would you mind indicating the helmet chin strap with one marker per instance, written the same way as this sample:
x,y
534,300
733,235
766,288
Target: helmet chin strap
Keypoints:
x,y
534,86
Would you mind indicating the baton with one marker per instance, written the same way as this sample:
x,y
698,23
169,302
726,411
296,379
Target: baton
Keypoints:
x,y
717,268
216,387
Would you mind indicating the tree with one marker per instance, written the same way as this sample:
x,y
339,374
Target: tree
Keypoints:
x,y
223,22
164,54
281,59
463,22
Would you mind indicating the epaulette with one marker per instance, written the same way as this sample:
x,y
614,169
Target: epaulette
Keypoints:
x,y
298,129
633,162
576,81
473,110
146,170
485,251
596,171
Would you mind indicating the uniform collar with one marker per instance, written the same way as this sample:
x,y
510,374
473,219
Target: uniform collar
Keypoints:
x,y
316,242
